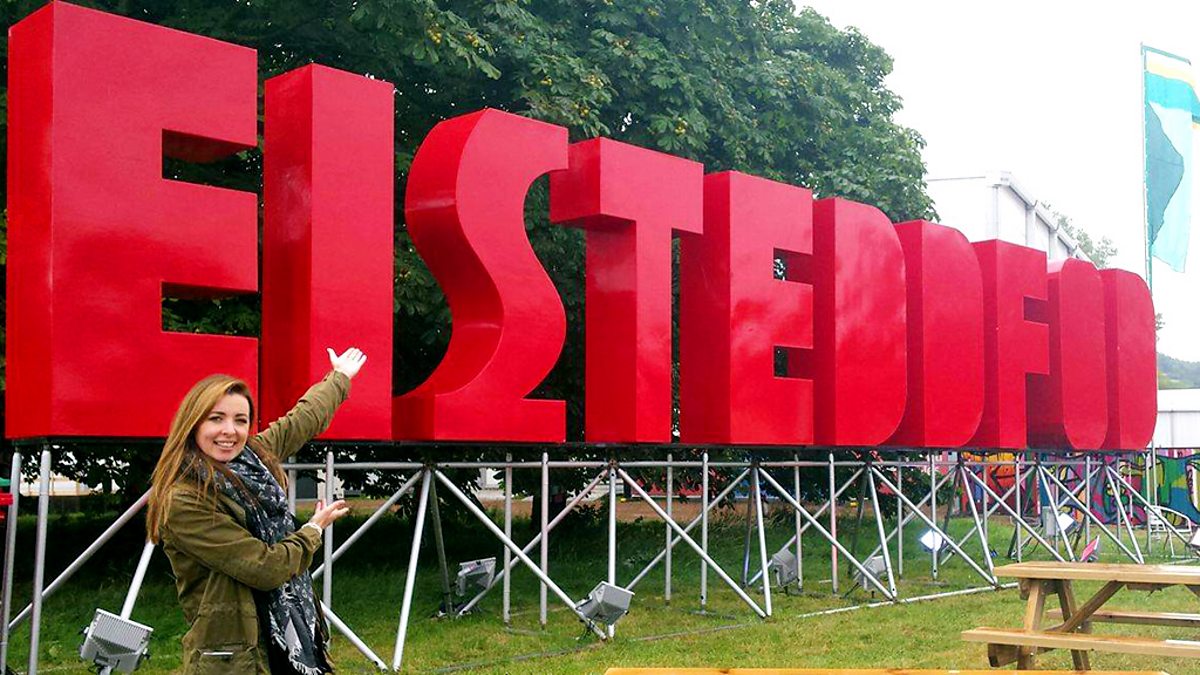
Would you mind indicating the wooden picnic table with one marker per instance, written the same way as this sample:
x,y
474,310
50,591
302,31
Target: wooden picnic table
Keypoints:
x,y
1043,579
838,671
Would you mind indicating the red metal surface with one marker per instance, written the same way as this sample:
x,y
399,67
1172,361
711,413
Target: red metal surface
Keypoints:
x,y
734,313
327,241
97,235
1014,279
868,315
629,200
1132,362
465,211
1069,408
945,337
859,318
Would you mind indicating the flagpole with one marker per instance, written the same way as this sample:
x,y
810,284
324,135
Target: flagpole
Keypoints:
x,y
1145,207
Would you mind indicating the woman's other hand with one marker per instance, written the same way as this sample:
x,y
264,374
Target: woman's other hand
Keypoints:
x,y
325,515
349,362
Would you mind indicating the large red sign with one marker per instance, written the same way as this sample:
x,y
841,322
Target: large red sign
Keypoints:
x,y
801,322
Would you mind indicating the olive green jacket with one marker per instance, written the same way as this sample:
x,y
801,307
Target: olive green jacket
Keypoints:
x,y
217,562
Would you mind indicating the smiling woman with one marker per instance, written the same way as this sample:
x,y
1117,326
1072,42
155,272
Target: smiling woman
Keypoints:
x,y
218,507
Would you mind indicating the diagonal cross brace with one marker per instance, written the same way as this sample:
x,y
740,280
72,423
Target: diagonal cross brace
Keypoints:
x,y
691,542
828,537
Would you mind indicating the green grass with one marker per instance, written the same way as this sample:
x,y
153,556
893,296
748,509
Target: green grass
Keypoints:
x,y
368,589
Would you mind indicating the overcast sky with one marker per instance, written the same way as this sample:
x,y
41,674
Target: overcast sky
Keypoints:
x,y
1051,92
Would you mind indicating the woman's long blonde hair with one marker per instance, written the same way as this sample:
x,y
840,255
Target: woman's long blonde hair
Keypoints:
x,y
182,459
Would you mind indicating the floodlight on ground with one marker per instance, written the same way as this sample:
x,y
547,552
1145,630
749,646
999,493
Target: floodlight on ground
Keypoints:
x,y
876,565
1057,523
932,541
606,604
110,641
475,575
1065,523
783,568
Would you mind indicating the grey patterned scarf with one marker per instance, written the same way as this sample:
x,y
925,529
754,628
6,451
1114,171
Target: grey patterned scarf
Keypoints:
x,y
288,613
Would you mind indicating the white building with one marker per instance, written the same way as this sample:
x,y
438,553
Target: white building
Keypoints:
x,y
996,206
1178,419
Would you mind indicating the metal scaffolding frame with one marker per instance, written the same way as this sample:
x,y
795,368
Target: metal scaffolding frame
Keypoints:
x,y
1057,483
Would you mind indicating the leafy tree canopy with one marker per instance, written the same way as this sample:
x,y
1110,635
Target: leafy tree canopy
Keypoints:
x,y
760,87
1099,251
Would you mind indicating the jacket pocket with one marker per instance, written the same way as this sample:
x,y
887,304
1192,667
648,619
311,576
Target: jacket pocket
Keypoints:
x,y
234,659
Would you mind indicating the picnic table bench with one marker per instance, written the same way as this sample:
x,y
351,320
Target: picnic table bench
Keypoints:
x,y
1073,621
839,671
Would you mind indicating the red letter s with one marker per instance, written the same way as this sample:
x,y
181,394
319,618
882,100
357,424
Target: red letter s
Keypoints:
x,y
465,212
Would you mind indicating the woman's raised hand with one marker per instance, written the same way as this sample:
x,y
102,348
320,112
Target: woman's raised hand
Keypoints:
x,y
327,514
348,362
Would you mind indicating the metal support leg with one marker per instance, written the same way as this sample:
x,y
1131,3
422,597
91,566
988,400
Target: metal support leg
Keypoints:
x,y
327,582
440,544
1124,515
1019,517
506,612
798,524
746,541
410,580
1087,487
544,552
858,514
291,485
670,515
612,526
953,475
899,525
833,553
877,507
39,564
704,531
1148,482
762,540
933,511
987,538
10,554
980,528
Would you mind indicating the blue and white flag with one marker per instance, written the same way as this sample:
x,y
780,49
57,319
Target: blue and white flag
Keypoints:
x,y
1172,109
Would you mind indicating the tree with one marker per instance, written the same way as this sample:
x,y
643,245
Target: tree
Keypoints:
x,y
757,87
1099,252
